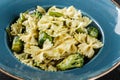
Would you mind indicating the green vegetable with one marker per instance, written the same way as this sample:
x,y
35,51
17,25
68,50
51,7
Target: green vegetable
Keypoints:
x,y
92,31
56,14
43,37
21,19
8,33
37,14
80,30
17,44
72,61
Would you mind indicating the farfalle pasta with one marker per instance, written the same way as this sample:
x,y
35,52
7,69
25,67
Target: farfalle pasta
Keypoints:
x,y
44,39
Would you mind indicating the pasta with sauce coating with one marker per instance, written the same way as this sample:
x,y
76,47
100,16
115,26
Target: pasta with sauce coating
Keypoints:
x,y
51,36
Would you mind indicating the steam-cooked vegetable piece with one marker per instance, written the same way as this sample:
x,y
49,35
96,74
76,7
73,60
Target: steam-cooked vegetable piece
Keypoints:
x,y
72,61
17,44
56,14
37,14
92,31
43,37
81,30
9,34
21,19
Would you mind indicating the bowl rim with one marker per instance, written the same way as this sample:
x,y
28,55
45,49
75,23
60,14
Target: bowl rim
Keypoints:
x,y
92,78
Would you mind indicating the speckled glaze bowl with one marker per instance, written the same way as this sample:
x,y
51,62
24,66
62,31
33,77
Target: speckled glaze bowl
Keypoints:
x,y
104,12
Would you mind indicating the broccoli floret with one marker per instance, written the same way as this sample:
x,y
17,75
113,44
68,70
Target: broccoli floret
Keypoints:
x,y
17,44
43,37
92,31
37,14
72,61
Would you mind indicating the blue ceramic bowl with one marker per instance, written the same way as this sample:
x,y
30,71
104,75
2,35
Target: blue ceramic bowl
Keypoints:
x,y
104,12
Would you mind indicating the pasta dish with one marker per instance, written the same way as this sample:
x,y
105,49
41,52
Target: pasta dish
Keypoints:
x,y
54,40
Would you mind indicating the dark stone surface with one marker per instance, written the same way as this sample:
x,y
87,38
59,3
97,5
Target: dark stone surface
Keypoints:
x,y
113,75
118,1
